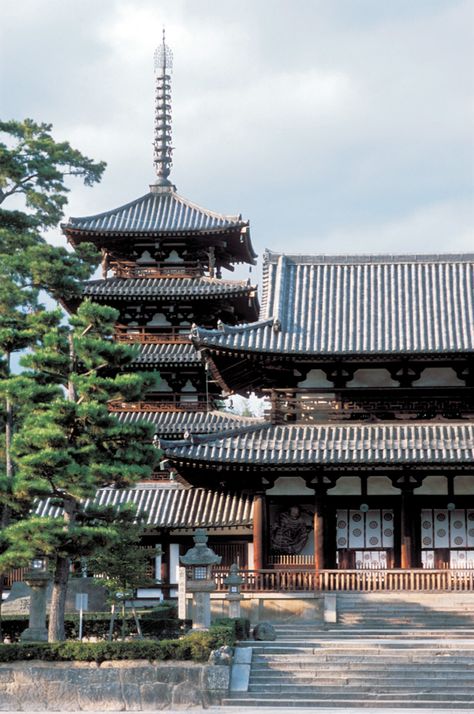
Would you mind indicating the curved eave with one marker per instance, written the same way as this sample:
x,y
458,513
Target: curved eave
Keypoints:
x,y
230,340
330,446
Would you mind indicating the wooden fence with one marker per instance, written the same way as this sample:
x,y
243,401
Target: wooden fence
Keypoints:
x,y
373,580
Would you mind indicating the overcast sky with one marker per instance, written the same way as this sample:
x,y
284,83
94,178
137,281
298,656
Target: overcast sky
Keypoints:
x,y
334,126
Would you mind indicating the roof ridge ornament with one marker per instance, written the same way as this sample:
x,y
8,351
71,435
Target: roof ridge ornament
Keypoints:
x,y
162,149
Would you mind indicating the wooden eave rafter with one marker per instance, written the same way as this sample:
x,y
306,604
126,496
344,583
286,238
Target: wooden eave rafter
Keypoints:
x,y
242,253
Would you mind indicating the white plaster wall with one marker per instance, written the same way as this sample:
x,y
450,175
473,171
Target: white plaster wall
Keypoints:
x,y
464,485
381,486
290,486
346,486
433,486
315,378
174,562
439,377
372,378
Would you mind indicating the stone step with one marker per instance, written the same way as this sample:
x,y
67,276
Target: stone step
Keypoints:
x,y
265,674
344,704
375,694
381,687
354,670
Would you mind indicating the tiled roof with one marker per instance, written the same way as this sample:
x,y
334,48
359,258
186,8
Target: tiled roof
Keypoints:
x,y
169,354
180,423
159,210
202,287
358,305
172,507
331,445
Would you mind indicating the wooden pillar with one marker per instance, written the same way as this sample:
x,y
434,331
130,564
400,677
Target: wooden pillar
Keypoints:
x,y
258,524
318,525
406,527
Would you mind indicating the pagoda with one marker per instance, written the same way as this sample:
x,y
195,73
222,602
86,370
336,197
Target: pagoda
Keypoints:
x,y
162,263
163,258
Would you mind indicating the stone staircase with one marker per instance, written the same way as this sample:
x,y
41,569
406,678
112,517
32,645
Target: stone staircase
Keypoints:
x,y
375,657
399,610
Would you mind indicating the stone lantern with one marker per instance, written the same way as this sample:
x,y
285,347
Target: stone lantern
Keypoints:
x,y
234,596
38,580
199,579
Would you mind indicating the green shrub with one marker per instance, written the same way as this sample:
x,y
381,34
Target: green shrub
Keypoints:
x,y
160,622
195,646
240,626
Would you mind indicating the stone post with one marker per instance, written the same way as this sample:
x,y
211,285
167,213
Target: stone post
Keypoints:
x,y
234,596
37,631
199,578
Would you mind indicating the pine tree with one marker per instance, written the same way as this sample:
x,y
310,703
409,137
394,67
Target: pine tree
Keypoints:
x,y
33,167
70,446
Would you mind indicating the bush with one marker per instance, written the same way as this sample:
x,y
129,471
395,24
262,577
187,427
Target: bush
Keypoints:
x,y
160,622
196,646
240,626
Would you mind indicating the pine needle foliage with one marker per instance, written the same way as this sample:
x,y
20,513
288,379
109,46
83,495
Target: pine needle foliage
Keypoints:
x,y
70,445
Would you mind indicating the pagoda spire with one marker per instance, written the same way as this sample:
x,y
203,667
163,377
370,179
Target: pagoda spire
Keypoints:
x,y
162,148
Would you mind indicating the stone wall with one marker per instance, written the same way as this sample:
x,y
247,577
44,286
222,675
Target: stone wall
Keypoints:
x,y
116,686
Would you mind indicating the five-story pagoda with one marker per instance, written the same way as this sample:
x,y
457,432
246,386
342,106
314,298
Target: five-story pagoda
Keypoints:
x,y
162,262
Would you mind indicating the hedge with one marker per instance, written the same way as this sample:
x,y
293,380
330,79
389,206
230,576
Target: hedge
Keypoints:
x,y
161,622
195,646
240,626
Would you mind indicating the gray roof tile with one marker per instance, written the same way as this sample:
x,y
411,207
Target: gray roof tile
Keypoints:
x,y
179,423
332,444
163,211
172,507
168,354
166,287
359,305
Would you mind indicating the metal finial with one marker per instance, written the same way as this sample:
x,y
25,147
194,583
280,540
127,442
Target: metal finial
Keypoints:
x,y
162,143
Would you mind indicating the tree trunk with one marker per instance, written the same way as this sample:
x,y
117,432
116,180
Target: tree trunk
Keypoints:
x,y
56,632
5,517
6,511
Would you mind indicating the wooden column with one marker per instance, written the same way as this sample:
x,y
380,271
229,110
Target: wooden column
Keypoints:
x,y
318,525
258,524
406,526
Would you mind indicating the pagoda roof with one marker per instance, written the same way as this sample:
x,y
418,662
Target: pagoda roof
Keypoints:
x,y
169,354
182,422
358,305
165,288
330,445
170,506
161,210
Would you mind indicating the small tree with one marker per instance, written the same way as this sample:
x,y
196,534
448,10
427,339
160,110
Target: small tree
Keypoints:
x,y
124,564
70,446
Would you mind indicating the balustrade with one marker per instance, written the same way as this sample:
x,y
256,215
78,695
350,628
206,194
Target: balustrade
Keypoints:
x,y
372,580
328,404
165,402
152,335
129,269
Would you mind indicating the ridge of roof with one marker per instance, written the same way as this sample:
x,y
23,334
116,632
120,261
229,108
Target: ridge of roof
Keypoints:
x,y
197,439
225,329
144,222
270,256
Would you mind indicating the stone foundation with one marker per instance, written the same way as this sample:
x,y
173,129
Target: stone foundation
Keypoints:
x,y
112,686
277,607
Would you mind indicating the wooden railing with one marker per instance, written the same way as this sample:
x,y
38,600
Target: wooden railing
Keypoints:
x,y
341,404
129,269
417,580
165,402
152,335
13,576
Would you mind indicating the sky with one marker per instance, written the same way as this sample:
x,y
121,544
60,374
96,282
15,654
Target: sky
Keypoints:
x,y
333,126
